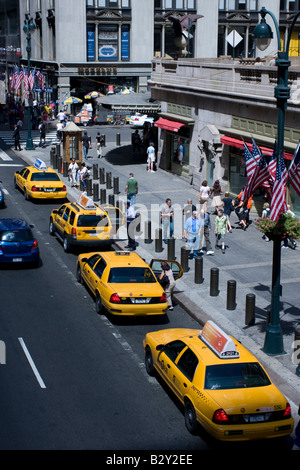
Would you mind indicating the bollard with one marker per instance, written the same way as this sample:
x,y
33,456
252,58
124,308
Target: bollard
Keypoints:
x,y
102,196
137,222
111,200
231,295
104,140
108,180
59,164
89,190
54,161
96,192
184,259
250,310
52,152
102,175
65,169
58,153
214,282
118,139
95,171
147,236
158,240
116,185
296,356
198,270
171,248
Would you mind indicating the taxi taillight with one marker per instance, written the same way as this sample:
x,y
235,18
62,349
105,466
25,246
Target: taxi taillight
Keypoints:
x,y
288,411
220,417
163,298
115,299
34,188
64,188
73,232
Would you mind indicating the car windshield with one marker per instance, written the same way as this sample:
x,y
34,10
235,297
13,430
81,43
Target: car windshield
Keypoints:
x,y
10,236
130,274
92,220
230,376
44,176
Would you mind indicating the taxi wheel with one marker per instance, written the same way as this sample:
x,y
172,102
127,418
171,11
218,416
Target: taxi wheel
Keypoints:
x,y
99,306
26,195
149,362
190,418
66,245
51,227
78,274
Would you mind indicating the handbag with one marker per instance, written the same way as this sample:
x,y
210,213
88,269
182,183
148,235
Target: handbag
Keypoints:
x,y
164,281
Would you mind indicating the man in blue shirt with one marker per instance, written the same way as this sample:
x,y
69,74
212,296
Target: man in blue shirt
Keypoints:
x,y
191,232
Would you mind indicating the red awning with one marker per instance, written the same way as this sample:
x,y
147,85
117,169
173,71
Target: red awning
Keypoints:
x,y
240,144
168,125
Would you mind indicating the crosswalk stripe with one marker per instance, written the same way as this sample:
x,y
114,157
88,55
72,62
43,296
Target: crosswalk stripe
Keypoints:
x,y
9,140
4,156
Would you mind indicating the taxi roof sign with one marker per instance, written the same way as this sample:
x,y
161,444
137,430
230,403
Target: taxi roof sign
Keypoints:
x,y
40,165
217,340
86,202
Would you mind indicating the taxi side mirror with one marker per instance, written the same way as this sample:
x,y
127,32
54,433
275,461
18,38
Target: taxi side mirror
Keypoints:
x,y
160,347
54,211
84,260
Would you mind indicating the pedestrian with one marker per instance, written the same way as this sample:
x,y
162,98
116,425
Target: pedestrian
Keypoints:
x,y
151,157
61,117
73,169
16,136
136,141
188,209
59,128
206,231
169,286
228,208
99,144
42,129
220,229
216,191
130,216
264,215
288,238
167,219
84,175
244,212
191,233
180,151
86,143
204,194
131,189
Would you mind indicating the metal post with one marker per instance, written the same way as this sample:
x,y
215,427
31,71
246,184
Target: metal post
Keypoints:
x,y
116,185
102,196
89,190
65,169
108,180
96,192
95,171
147,237
158,240
231,295
102,176
118,139
250,310
59,164
198,270
184,259
111,200
214,282
171,248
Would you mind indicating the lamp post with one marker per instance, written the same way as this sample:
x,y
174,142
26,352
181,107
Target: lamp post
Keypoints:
x,y
262,35
29,27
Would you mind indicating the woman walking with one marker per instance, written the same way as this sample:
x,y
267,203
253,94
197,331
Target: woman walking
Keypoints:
x,y
204,195
228,208
216,191
167,271
220,229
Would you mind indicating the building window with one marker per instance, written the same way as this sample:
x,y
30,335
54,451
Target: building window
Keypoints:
x,y
108,47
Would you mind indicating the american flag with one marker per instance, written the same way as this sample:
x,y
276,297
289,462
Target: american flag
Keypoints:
x,y
250,161
40,77
294,171
18,78
273,162
255,151
31,78
260,177
278,204
25,79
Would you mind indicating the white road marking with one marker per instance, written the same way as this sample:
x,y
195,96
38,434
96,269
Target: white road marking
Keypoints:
x,y
32,365
4,156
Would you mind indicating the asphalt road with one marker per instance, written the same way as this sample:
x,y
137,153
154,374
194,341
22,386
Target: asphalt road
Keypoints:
x,y
74,379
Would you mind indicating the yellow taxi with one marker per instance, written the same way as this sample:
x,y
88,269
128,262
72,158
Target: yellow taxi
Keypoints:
x,y
122,283
221,384
40,182
84,223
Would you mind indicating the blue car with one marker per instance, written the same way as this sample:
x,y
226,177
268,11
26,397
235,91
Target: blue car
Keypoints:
x,y
17,242
1,196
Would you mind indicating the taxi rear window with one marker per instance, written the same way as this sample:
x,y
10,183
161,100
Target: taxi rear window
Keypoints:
x,y
44,176
239,375
130,274
92,220
16,236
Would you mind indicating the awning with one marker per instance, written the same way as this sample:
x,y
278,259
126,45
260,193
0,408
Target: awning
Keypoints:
x,y
227,140
168,125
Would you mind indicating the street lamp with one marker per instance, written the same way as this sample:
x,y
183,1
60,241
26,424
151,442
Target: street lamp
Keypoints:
x,y
262,35
29,28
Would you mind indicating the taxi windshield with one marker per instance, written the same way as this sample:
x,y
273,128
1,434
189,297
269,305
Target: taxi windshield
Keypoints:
x,y
130,274
12,236
239,375
44,176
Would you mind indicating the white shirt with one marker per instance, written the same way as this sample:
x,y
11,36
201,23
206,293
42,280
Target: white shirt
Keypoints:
x,y
205,190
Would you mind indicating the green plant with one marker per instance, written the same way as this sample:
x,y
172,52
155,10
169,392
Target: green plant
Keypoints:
x,y
285,226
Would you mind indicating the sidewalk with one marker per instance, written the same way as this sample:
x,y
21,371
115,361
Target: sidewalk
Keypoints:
x,y
248,261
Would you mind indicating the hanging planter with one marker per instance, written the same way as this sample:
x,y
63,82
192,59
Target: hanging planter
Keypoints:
x,y
285,226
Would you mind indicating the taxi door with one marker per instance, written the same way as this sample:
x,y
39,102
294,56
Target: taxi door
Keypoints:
x,y
182,379
59,219
88,272
166,361
21,178
155,265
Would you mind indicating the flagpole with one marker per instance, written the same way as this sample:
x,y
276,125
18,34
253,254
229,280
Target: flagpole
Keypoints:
x,y
29,28
263,34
